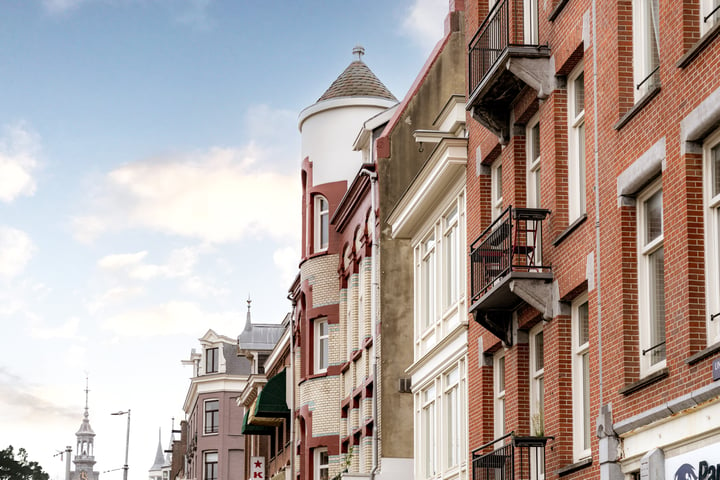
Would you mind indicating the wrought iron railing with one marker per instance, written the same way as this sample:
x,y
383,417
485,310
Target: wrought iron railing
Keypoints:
x,y
489,41
510,458
511,243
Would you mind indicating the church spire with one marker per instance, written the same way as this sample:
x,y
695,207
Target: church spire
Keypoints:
x,y
248,321
85,452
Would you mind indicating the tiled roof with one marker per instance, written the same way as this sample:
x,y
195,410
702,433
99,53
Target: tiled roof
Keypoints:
x,y
357,81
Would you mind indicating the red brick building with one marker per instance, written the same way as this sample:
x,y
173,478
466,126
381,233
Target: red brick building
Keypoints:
x,y
593,177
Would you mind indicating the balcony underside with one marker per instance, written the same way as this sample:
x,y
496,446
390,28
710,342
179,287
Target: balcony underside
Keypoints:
x,y
493,310
516,67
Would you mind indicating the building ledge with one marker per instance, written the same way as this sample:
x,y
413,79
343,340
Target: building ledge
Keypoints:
x,y
574,467
645,381
639,105
703,354
699,46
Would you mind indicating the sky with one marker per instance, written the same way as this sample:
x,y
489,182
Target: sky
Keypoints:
x,y
149,185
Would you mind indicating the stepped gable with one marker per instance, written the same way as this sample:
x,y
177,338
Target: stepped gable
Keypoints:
x,y
357,81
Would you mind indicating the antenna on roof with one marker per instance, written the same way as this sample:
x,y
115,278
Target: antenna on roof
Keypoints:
x,y
359,50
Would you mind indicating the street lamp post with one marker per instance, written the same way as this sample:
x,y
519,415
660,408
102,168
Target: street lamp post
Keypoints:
x,y
127,442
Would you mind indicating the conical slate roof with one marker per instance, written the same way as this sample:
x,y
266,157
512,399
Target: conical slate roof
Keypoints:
x,y
159,457
357,81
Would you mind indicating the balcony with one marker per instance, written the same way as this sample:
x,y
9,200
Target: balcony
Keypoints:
x,y
506,270
501,64
502,458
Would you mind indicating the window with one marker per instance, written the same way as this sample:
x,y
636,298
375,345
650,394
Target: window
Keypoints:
x,y
651,283
211,360
532,151
361,320
709,14
496,192
427,282
440,275
452,407
499,392
321,463
581,377
321,345
576,144
711,154
450,261
537,386
646,51
530,14
322,223
428,432
212,416
211,466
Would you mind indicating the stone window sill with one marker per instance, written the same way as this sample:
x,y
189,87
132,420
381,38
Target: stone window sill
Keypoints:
x,y
639,105
645,381
572,468
696,49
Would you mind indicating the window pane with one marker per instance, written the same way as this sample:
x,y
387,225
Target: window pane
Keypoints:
x,y
539,360
583,324
586,400
501,374
715,167
579,87
498,183
535,142
657,299
452,427
653,217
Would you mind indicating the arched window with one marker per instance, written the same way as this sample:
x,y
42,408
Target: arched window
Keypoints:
x,y
322,223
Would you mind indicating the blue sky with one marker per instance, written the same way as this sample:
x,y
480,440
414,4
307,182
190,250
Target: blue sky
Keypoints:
x,y
149,182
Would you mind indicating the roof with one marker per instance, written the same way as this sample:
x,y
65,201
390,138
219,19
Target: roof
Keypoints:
x,y
159,457
357,81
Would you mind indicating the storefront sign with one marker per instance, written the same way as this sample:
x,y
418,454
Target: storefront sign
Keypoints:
x,y
716,369
699,464
257,468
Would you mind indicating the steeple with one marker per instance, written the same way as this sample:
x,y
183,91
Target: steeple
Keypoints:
x,y
159,457
248,321
84,453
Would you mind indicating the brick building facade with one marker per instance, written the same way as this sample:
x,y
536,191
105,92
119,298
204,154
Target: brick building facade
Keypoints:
x,y
591,185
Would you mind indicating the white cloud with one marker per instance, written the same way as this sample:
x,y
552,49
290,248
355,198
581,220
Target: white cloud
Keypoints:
x,y
61,6
201,287
19,147
425,21
68,330
16,249
114,296
181,262
172,318
216,196
286,261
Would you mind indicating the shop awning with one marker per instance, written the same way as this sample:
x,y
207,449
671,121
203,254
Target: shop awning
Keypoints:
x,y
271,401
249,429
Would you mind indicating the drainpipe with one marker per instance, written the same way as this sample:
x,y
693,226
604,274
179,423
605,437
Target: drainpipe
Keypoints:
x,y
292,385
373,316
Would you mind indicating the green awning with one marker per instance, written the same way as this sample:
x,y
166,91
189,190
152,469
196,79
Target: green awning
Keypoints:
x,y
271,401
249,429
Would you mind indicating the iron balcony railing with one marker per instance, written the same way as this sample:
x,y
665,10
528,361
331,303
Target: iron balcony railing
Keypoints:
x,y
510,458
495,35
510,244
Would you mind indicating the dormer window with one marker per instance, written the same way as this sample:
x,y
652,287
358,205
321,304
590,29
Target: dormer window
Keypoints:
x,y
322,222
212,360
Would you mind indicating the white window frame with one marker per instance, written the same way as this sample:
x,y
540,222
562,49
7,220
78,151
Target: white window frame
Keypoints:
x,y
205,417
213,352
646,55
576,144
361,320
321,209
533,157
210,458
581,379
530,21
440,269
321,344
646,286
318,466
452,415
712,237
499,376
537,381
350,322
428,431
708,20
496,190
